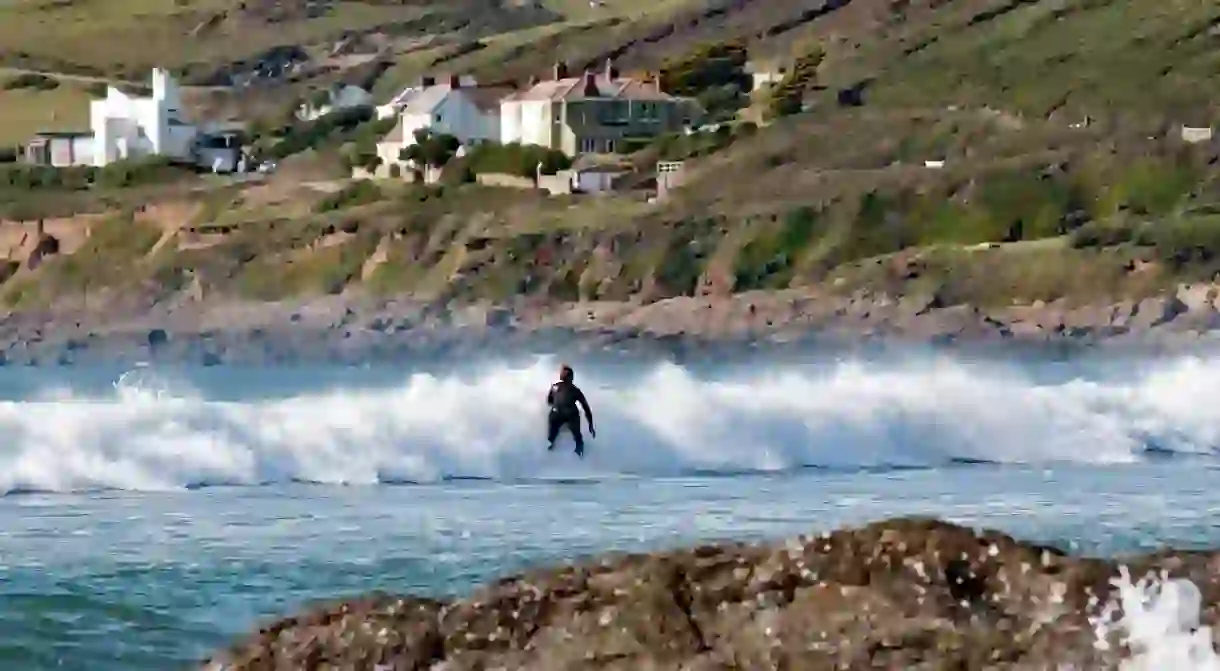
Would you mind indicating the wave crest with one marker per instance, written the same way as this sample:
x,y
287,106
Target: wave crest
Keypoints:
x,y
155,432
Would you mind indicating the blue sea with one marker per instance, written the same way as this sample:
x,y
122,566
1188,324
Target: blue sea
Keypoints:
x,y
153,515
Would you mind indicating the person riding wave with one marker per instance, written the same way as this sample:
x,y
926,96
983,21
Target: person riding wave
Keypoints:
x,y
563,398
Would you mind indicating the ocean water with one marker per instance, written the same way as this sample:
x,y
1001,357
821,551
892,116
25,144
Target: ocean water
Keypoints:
x,y
152,515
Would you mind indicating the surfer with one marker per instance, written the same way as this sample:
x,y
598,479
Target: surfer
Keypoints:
x,y
563,399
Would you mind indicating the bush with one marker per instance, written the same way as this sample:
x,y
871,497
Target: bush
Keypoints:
x,y
770,259
431,149
714,74
1179,242
31,81
1102,234
31,177
303,135
516,159
359,192
136,171
788,95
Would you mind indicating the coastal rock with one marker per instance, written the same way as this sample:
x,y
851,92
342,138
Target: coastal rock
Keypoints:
x,y
904,593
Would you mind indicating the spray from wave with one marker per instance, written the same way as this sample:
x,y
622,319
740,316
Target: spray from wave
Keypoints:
x,y
153,433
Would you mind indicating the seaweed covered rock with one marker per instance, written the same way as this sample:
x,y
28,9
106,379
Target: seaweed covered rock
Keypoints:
x,y
905,593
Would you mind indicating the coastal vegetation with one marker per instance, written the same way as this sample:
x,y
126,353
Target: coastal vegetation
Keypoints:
x,y
961,149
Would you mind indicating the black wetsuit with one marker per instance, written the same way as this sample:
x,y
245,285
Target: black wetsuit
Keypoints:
x,y
563,399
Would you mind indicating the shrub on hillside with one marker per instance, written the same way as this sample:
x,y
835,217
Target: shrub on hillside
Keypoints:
x,y
302,135
1183,241
769,260
137,171
31,177
431,149
787,97
714,74
522,160
1102,234
358,192
31,80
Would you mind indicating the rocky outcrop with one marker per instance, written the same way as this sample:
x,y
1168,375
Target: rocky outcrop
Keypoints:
x,y
899,594
214,329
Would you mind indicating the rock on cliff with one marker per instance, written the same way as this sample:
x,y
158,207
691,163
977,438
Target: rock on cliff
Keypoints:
x,y
899,594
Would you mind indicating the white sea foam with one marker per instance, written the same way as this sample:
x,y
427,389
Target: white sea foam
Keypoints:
x,y
1157,619
153,433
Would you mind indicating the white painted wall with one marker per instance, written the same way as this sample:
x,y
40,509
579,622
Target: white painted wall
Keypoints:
x,y
594,181
526,122
129,127
765,79
510,121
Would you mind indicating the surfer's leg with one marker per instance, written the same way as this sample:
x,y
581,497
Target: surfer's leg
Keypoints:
x,y
553,423
574,427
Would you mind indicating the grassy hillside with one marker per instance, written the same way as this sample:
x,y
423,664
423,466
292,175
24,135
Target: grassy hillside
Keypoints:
x,y
1056,119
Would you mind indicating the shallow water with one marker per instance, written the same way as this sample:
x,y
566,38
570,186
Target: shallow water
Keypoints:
x,y
198,517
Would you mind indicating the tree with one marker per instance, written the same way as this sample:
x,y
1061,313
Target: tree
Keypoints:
x,y
788,95
431,149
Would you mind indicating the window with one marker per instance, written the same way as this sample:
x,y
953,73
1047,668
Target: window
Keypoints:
x,y
609,146
558,113
438,118
588,145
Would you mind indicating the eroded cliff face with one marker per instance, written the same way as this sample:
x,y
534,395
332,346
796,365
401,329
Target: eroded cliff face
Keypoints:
x,y
898,594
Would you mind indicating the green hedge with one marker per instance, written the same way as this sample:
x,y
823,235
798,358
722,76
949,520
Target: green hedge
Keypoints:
x,y
133,172
31,80
516,159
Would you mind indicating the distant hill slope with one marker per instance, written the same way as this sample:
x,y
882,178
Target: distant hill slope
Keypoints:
x,y
837,199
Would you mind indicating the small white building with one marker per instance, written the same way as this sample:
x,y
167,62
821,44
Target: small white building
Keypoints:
x,y
334,98
1196,134
127,126
764,74
60,149
593,173
469,114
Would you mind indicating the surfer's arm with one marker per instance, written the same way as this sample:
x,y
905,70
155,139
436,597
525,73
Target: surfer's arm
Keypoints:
x,y
584,404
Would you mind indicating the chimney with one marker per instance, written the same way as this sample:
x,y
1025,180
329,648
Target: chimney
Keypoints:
x,y
455,82
428,81
611,71
590,90
560,71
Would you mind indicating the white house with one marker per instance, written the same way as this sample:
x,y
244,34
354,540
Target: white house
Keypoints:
x,y
469,114
593,113
128,126
337,97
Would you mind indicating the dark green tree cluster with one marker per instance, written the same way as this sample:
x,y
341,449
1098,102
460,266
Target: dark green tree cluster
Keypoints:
x,y
431,149
30,80
340,125
132,172
788,95
714,74
522,160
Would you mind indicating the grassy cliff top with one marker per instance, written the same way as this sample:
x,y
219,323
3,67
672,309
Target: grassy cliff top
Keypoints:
x,y
1057,120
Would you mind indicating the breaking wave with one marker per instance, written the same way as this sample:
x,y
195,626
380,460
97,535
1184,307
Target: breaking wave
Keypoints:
x,y
153,432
